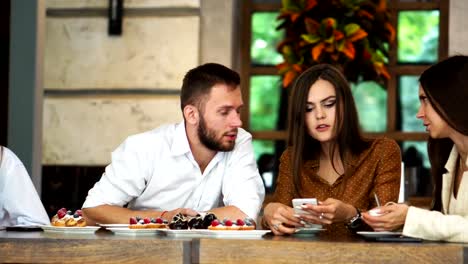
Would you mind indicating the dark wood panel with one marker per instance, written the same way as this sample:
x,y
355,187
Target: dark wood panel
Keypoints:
x,y
266,7
408,69
67,186
246,29
264,70
416,5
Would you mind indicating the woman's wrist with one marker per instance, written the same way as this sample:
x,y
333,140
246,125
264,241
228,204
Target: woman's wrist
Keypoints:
x,y
352,212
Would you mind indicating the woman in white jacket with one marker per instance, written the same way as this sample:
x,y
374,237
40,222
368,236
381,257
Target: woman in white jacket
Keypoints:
x,y
19,202
443,94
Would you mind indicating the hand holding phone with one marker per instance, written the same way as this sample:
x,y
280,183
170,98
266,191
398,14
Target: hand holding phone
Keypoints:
x,y
300,201
297,209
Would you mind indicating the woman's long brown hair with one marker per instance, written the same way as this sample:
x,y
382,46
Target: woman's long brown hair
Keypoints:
x,y
445,85
349,139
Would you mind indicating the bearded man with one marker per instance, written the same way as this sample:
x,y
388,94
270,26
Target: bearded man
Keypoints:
x,y
204,163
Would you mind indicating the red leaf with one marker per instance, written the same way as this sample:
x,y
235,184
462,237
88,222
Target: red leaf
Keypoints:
x,y
288,78
310,4
294,17
338,35
391,31
360,34
349,50
317,51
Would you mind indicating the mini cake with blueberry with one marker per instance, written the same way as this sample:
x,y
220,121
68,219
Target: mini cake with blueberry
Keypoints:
x,y
66,218
140,223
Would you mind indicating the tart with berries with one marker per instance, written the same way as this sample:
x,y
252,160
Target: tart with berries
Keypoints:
x,y
227,224
140,223
66,218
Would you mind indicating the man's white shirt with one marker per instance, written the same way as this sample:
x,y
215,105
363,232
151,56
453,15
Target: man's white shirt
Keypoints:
x,y
156,170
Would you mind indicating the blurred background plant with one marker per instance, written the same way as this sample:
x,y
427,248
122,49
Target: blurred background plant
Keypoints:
x,y
354,35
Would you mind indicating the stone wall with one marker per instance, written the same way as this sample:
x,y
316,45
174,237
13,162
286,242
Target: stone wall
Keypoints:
x,y
99,89
458,25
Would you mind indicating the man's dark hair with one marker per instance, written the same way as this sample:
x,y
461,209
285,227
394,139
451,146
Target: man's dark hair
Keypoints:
x,y
198,82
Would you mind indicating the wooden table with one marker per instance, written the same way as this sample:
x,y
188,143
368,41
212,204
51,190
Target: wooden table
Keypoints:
x,y
39,247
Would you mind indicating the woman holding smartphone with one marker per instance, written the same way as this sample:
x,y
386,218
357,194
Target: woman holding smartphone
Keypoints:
x,y
328,159
443,94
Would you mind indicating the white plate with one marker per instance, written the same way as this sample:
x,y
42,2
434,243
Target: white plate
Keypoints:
x,y
125,231
307,231
70,230
233,233
107,226
378,234
180,232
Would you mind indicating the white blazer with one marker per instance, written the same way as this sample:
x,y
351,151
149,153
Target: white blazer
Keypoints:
x,y
451,224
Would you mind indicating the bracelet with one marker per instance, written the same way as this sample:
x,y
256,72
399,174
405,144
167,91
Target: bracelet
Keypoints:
x,y
355,222
163,213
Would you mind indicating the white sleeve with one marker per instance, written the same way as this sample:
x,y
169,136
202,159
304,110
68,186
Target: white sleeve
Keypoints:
x,y
243,186
21,200
434,225
122,181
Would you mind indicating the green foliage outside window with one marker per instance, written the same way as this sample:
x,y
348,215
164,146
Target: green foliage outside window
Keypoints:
x,y
264,102
409,98
265,37
371,103
418,34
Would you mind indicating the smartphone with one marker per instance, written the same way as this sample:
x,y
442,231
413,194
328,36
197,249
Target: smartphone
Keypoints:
x,y
300,201
297,209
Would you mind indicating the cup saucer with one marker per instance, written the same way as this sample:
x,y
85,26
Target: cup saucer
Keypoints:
x,y
308,230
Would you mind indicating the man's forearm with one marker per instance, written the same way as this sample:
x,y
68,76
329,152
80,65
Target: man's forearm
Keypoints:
x,y
111,214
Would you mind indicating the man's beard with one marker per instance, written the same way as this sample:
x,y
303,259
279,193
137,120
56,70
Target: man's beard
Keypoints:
x,y
208,138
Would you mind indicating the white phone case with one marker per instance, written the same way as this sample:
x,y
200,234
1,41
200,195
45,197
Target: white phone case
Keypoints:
x,y
300,201
297,209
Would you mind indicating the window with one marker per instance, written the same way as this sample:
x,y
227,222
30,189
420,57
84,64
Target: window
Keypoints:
x,y
422,40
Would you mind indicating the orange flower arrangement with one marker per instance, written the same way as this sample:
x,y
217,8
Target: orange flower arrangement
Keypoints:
x,y
354,35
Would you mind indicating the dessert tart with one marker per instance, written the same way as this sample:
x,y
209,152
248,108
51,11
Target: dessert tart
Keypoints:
x,y
227,224
145,223
66,218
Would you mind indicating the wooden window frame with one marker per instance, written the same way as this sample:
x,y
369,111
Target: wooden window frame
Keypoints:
x,y
396,70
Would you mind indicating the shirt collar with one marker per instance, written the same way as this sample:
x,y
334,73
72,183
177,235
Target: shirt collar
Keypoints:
x,y
180,143
452,160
